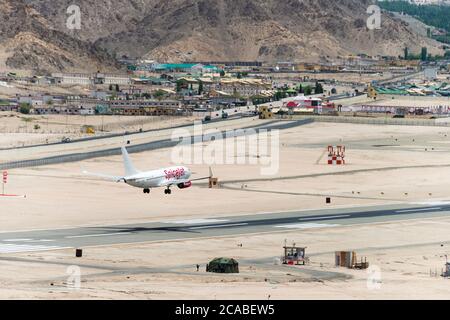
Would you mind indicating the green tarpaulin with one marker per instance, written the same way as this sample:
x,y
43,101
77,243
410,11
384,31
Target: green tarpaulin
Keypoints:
x,y
223,265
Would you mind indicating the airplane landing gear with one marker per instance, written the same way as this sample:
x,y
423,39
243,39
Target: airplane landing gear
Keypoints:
x,y
167,191
147,191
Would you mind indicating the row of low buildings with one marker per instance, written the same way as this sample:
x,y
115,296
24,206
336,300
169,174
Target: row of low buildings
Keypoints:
x,y
91,79
231,86
75,105
225,86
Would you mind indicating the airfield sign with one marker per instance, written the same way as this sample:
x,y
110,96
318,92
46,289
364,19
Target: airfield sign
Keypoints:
x,y
5,180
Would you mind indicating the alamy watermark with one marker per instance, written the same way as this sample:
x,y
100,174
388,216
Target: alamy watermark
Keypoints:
x,y
74,277
374,278
73,21
242,147
374,20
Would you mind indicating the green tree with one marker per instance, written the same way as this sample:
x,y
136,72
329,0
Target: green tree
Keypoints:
x,y
222,73
318,89
159,94
308,90
200,88
179,85
406,53
279,95
25,108
424,54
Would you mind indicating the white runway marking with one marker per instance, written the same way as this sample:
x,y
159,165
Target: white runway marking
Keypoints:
x,y
196,221
306,226
417,210
326,217
17,240
98,235
17,248
433,203
219,226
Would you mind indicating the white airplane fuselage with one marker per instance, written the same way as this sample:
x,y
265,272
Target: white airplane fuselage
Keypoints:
x,y
178,176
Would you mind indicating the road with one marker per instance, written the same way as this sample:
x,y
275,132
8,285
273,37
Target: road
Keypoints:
x,y
183,229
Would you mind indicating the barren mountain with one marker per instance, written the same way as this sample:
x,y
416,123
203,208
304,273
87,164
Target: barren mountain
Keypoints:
x,y
263,30
29,41
180,30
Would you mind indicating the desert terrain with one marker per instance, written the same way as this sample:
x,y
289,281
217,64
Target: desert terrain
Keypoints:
x,y
385,165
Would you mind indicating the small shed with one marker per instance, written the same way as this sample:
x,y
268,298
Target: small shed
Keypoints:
x,y
223,265
348,259
345,259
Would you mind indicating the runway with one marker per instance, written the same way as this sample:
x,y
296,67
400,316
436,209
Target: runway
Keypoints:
x,y
183,229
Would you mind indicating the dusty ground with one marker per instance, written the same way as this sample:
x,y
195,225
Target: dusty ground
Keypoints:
x,y
51,188
25,130
404,258
407,164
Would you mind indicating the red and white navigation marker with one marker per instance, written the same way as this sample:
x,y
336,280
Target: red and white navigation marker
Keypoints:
x,y
5,180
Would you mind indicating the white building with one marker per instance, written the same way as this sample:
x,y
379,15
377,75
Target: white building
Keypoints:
x,y
73,78
108,79
430,74
86,79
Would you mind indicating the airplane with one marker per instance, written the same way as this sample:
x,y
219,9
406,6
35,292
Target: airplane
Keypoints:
x,y
167,177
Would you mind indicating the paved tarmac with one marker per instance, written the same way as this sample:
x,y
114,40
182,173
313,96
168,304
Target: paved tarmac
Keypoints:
x,y
182,229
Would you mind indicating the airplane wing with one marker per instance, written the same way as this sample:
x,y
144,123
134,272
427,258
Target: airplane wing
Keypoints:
x,y
199,179
104,176
204,178
143,179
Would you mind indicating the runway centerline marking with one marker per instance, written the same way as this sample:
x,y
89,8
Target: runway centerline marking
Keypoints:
x,y
17,248
418,210
97,235
326,217
219,226
307,225
196,221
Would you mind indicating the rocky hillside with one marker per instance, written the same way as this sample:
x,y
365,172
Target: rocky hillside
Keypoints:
x,y
29,41
261,29
180,30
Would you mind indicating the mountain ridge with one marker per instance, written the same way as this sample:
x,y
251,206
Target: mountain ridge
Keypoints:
x,y
35,36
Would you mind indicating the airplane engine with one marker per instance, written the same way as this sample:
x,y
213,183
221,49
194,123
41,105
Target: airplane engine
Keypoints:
x,y
185,185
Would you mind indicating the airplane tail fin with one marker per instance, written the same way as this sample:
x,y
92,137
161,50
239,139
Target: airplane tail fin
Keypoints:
x,y
128,164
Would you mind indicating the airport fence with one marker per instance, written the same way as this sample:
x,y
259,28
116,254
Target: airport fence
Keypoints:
x,y
74,157
375,121
161,144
